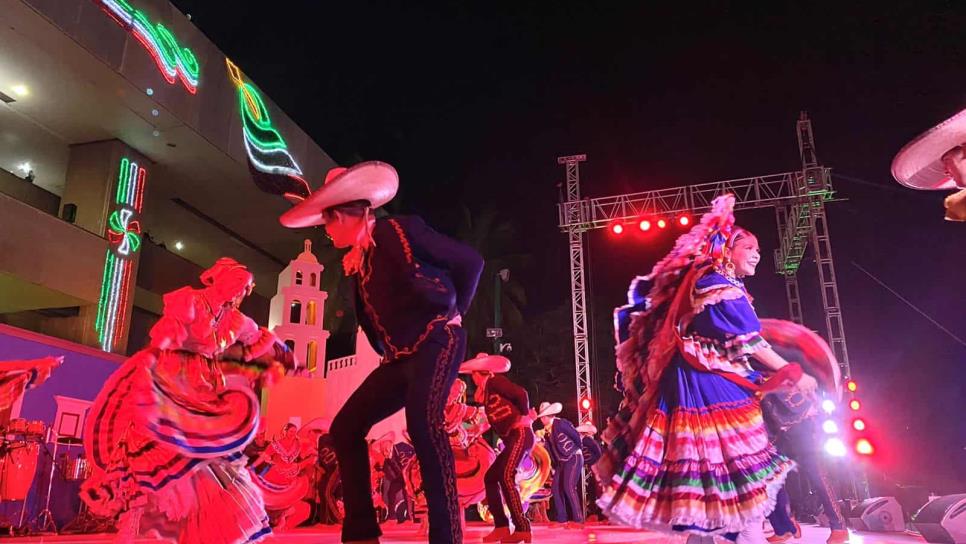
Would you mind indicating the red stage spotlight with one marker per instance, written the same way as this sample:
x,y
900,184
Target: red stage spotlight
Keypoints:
x,y
854,404
644,225
858,424
864,447
852,386
661,223
585,403
684,220
617,228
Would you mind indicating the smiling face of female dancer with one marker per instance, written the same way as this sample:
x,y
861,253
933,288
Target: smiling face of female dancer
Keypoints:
x,y
745,254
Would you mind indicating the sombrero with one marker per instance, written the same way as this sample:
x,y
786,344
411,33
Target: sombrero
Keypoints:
x,y
485,362
797,343
317,426
587,428
374,181
549,409
918,165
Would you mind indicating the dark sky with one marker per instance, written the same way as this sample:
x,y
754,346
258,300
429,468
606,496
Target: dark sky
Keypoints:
x,y
474,101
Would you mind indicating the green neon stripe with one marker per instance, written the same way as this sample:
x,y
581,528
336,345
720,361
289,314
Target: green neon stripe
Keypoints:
x,y
122,180
102,302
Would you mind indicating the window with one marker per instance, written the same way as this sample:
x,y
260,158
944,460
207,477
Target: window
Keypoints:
x,y
312,279
313,354
295,314
310,317
290,344
298,278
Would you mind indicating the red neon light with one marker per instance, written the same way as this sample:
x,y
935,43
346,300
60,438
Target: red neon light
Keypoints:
x,y
126,278
158,60
142,174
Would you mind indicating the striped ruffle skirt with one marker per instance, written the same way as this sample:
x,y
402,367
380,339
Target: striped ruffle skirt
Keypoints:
x,y
702,463
165,437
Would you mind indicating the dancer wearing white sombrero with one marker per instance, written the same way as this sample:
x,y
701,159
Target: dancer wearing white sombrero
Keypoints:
x,y
936,160
563,443
412,286
508,411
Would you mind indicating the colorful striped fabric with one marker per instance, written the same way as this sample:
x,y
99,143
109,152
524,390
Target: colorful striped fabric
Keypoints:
x,y
165,424
703,463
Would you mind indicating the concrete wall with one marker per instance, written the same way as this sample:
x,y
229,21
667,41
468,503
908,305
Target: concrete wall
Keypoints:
x,y
213,111
48,251
28,193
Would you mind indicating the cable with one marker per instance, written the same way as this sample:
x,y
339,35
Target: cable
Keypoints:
x,y
911,305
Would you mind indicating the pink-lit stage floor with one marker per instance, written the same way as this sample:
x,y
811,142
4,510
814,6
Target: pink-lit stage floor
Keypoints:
x,y
592,533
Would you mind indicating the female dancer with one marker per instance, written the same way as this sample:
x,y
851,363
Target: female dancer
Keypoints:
x,y
166,433
281,473
689,451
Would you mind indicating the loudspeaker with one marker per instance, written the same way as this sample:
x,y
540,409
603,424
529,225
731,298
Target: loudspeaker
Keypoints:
x,y
881,514
943,519
69,213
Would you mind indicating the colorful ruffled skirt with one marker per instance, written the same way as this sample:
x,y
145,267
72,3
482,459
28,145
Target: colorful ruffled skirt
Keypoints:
x,y
702,462
165,437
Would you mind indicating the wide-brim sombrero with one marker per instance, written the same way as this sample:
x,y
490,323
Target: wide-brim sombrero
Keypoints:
x,y
374,181
484,362
799,344
549,409
918,164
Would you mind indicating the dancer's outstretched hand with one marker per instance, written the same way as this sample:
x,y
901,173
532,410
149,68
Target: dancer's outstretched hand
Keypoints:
x,y
457,321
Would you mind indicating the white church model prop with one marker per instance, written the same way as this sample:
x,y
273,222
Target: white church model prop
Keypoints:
x,y
297,309
295,315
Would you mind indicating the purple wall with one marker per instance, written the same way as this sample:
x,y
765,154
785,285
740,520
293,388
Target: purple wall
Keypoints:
x,y
81,376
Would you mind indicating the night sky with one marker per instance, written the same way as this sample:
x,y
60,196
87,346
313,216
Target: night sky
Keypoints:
x,y
474,104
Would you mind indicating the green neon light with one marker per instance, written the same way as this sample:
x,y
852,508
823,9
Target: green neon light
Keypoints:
x,y
258,130
122,176
105,290
174,62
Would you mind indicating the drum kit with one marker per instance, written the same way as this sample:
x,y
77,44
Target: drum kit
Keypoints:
x,y
21,442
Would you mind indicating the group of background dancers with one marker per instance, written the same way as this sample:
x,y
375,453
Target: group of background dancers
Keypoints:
x,y
713,417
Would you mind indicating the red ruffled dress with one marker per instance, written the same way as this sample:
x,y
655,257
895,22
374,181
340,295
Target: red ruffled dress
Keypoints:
x,y
166,433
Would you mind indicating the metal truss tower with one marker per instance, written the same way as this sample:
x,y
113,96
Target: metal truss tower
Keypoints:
x,y
798,198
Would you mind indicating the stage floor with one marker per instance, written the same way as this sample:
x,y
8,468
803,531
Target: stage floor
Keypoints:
x,y
593,533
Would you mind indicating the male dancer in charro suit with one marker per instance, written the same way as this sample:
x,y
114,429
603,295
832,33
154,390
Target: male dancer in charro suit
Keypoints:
x,y
412,287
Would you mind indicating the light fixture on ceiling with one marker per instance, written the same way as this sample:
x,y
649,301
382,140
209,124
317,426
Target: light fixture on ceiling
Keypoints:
x,y
150,91
25,167
20,90
178,245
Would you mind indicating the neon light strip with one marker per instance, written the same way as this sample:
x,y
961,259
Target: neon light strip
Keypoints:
x,y
173,61
267,150
124,236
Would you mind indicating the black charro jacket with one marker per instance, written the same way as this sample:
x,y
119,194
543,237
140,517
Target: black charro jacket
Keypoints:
x,y
412,281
